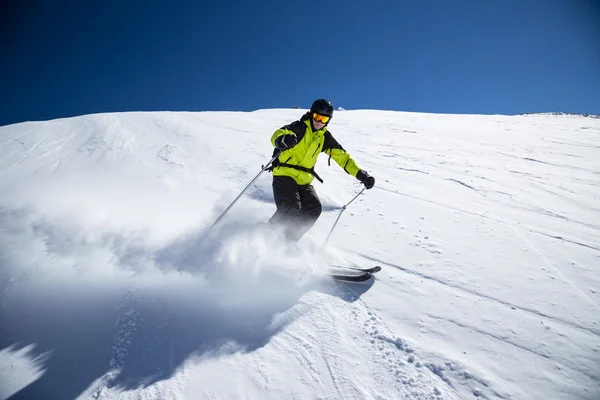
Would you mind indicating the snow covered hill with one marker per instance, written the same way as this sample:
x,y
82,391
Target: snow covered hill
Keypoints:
x,y
487,229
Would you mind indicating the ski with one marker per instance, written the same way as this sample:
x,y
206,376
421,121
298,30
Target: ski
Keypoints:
x,y
352,274
365,276
371,270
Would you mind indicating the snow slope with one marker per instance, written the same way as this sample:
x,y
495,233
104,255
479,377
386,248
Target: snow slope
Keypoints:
x,y
487,229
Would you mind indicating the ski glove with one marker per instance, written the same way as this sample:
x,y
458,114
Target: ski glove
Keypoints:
x,y
365,178
285,142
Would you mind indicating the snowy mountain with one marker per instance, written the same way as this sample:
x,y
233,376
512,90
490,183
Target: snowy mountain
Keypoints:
x,y
487,229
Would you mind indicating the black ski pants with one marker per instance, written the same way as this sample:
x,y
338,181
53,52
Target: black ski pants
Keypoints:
x,y
298,207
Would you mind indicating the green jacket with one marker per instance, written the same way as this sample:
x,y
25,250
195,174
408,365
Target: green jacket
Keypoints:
x,y
305,153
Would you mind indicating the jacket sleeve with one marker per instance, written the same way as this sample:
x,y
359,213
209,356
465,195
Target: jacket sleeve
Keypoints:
x,y
296,128
333,149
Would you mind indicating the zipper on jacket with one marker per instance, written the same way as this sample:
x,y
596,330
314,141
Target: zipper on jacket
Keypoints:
x,y
317,148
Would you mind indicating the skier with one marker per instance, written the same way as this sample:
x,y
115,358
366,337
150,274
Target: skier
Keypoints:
x,y
299,144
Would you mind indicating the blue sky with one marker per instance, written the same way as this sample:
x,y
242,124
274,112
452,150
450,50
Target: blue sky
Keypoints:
x,y
62,59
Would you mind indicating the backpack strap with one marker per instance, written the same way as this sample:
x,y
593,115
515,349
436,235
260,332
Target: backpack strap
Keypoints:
x,y
276,163
304,169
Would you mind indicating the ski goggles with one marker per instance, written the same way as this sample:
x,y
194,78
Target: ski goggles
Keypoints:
x,y
321,118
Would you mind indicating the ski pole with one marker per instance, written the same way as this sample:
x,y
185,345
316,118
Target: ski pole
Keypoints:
x,y
339,215
266,167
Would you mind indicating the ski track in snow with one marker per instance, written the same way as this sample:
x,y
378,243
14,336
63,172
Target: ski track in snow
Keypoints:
x,y
440,321
478,295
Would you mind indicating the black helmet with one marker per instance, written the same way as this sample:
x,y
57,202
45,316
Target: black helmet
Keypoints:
x,y
323,107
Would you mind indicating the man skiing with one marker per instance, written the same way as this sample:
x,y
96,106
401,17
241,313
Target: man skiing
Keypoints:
x,y
299,145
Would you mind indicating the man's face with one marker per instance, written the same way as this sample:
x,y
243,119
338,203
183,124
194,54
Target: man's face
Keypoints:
x,y
318,125
319,121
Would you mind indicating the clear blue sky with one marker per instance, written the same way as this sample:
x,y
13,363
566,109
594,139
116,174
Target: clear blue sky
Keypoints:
x,y
70,58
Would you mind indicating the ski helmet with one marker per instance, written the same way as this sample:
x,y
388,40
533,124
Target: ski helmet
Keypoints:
x,y
323,107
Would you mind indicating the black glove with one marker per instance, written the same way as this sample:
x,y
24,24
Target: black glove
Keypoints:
x,y
285,142
365,178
